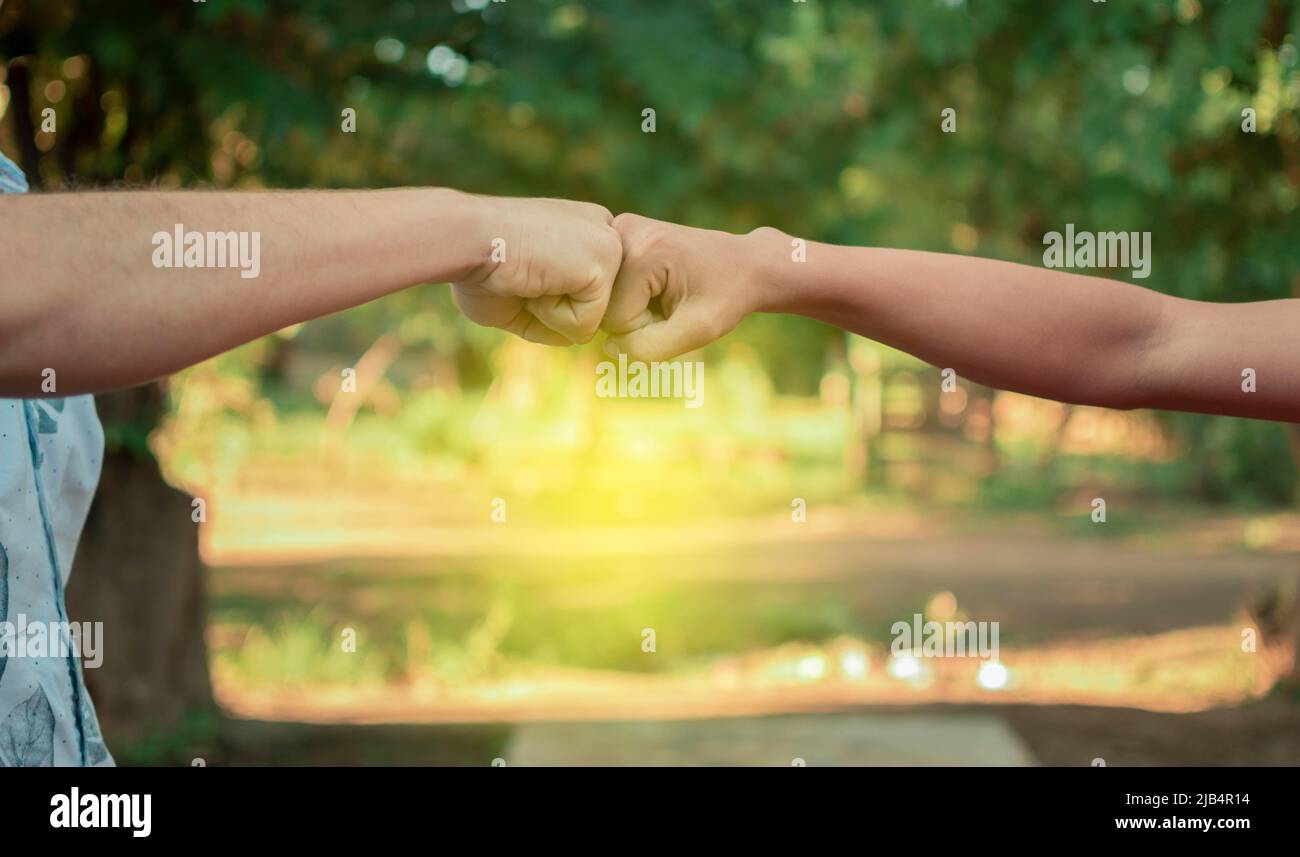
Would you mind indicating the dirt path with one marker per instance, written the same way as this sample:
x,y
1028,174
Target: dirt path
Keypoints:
x,y
1044,588
1266,733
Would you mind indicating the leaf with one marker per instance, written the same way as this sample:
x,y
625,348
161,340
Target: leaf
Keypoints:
x,y
27,735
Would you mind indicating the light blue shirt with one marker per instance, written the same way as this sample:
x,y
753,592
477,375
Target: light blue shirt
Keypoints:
x,y
51,451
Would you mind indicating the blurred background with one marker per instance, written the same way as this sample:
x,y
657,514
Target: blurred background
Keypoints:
x,y
652,566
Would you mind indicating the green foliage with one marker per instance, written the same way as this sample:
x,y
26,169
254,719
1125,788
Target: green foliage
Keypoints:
x,y
481,622
819,118
196,735
1242,460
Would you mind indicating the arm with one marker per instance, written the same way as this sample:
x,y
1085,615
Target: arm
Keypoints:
x,y
80,292
1055,334
1048,333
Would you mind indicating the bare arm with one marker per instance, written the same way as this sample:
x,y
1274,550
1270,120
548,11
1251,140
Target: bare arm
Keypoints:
x,y
81,292
1048,333
1055,334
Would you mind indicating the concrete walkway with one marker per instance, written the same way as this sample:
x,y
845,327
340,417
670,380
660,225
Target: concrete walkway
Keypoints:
x,y
823,740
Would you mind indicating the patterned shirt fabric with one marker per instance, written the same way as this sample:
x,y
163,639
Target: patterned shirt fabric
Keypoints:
x,y
51,451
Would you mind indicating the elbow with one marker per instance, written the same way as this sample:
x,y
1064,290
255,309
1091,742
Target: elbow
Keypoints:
x,y
1130,369
1125,367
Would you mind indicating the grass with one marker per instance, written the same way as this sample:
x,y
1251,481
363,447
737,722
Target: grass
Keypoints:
x,y
459,626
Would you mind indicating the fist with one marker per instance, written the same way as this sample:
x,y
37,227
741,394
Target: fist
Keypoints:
x,y
547,268
679,288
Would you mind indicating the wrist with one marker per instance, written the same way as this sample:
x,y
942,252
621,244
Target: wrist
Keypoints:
x,y
771,259
461,225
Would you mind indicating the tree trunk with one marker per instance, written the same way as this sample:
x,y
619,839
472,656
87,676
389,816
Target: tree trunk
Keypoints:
x,y
138,571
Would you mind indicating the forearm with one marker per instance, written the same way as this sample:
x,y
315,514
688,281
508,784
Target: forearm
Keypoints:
x,y
80,292
1054,334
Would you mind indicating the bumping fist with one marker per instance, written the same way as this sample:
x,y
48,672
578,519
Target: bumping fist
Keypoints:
x,y
680,288
548,266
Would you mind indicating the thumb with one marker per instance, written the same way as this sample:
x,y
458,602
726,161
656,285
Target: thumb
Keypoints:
x,y
568,316
662,340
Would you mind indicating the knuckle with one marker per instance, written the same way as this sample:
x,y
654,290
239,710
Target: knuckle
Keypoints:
x,y
604,268
650,239
601,280
611,250
623,314
626,221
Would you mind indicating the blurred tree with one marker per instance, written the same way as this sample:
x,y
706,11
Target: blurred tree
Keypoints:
x,y
820,118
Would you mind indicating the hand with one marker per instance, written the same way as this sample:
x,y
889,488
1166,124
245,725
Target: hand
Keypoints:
x,y
680,288
548,266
